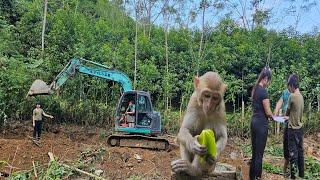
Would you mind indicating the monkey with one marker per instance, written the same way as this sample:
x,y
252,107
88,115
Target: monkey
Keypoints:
x,y
205,110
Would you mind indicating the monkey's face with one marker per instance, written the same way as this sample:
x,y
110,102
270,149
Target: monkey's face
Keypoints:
x,y
209,91
210,100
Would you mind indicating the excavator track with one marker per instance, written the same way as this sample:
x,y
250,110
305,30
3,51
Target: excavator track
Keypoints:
x,y
138,141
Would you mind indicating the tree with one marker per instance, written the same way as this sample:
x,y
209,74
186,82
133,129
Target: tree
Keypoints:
x,y
44,26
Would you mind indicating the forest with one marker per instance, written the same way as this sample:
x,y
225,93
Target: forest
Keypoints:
x,y
161,47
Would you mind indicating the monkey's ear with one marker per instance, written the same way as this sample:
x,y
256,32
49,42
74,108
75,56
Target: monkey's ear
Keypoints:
x,y
223,88
196,81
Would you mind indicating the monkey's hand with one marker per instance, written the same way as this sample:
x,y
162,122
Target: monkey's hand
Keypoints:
x,y
211,160
197,148
183,166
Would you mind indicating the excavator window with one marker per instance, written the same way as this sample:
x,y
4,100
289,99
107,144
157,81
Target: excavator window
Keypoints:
x,y
124,106
125,102
143,104
143,107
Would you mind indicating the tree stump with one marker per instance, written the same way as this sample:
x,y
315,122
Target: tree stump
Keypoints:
x,y
222,172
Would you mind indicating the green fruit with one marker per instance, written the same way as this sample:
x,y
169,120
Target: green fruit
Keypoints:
x,y
207,139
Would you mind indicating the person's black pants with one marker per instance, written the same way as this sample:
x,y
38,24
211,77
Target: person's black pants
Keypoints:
x,y
286,142
259,134
296,152
37,129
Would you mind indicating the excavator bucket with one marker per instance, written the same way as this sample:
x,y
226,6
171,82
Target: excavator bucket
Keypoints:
x,y
39,87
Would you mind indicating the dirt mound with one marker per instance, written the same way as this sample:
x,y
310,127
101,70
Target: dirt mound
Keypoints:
x,y
127,162
18,150
16,130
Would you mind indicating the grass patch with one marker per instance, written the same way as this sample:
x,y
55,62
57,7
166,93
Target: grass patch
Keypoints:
x,y
245,147
312,168
270,168
274,150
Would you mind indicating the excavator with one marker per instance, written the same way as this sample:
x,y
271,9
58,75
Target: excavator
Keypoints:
x,y
145,125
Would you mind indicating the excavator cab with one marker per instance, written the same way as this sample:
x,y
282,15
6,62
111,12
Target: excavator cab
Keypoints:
x,y
144,121
144,126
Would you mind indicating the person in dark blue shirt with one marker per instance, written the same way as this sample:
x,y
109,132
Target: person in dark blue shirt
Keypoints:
x,y
259,123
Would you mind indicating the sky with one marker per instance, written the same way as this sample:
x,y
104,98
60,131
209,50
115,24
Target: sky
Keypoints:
x,y
307,13
301,15
304,15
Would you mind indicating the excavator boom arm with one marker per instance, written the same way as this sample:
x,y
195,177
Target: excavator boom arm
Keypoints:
x,y
99,71
77,65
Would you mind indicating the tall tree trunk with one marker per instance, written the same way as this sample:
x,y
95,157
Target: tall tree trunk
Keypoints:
x,y
181,105
255,4
44,27
309,114
242,103
167,67
244,15
318,99
135,48
203,5
149,19
166,19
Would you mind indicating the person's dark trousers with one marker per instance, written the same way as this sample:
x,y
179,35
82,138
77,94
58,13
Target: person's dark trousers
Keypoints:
x,y
286,142
37,129
296,152
286,149
259,134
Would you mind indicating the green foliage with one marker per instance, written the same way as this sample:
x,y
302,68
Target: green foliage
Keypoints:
x,y
8,45
246,148
56,171
103,32
237,126
13,82
136,177
274,150
21,176
311,122
312,168
270,168
171,121
102,135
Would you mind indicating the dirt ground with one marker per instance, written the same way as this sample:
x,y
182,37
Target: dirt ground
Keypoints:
x,y
71,144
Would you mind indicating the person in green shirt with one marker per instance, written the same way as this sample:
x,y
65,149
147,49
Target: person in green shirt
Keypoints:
x,y
131,110
37,120
128,116
295,132
281,109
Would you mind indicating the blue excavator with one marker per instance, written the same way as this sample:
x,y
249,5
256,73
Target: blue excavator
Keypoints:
x,y
145,123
